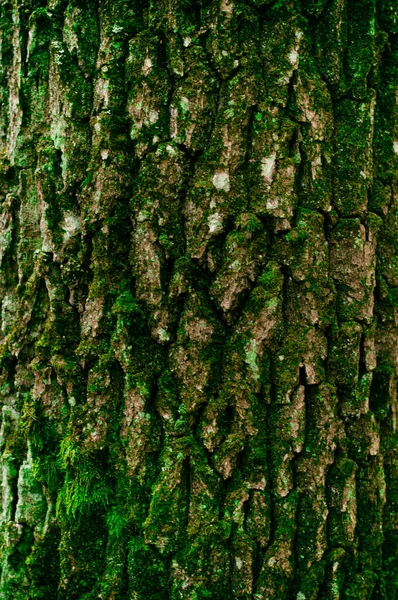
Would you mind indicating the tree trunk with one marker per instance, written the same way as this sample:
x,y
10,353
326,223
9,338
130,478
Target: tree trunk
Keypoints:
x,y
199,295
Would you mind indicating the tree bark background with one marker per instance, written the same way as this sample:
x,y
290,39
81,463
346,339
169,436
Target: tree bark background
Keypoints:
x,y
199,294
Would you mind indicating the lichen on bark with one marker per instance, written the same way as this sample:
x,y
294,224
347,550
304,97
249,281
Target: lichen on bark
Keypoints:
x,y
198,287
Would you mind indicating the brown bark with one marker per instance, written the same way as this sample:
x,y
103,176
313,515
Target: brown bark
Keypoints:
x,y
199,275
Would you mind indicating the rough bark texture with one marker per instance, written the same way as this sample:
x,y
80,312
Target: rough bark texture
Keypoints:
x,y
199,296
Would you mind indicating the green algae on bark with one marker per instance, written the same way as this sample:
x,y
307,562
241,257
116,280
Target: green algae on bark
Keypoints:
x,y
198,287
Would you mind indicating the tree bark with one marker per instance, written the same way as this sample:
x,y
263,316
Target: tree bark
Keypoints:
x,y
199,295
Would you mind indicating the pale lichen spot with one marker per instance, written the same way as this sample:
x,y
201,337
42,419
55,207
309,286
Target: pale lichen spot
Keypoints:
x,y
143,215
315,164
238,562
9,310
59,51
153,116
184,103
186,41
104,154
95,436
251,358
272,203
290,171
173,122
215,223
30,40
268,167
375,445
227,7
70,224
396,146
170,150
300,596
221,181
163,335
293,56
134,131
147,66
102,91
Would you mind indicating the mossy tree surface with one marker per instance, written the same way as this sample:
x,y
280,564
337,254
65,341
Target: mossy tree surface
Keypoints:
x,y
199,296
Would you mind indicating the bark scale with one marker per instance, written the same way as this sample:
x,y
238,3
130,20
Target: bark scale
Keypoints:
x,y
199,294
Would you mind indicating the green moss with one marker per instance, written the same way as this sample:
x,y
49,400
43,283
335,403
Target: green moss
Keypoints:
x,y
272,277
194,409
147,570
82,546
361,21
286,363
344,354
43,568
380,391
353,131
311,582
